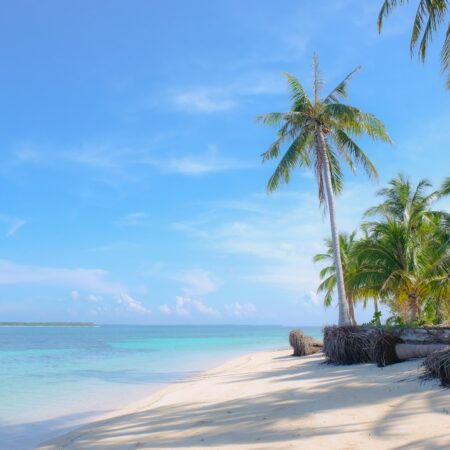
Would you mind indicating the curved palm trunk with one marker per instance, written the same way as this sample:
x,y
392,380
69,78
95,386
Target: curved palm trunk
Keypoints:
x,y
344,310
351,308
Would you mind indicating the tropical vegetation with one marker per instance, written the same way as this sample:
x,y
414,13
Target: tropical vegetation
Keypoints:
x,y
320,134
430,15
402,257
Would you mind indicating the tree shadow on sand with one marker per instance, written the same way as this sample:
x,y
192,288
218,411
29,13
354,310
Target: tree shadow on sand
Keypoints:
x,y
252,419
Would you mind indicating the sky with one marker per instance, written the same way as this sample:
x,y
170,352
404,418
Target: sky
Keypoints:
x,y
132,184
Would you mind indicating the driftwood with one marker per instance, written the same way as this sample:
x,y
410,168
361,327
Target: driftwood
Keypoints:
x,y
424,335
356,345
389,348
303,345
410,351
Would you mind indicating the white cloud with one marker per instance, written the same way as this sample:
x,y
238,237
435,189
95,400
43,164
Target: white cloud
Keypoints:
x,y
13,224
199,164
203,309
94,298
165,309
75,295
134,219
210,99
132,304
126,163
239,310
278,235
185,305
93,280
179,309
203,100
196,282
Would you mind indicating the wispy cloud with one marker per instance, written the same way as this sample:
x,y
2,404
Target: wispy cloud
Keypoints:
x,y
132,304
216,98
204,100
240,310
92,280
185,305
127,162
134,219
13,224
277,236
201,163
194,284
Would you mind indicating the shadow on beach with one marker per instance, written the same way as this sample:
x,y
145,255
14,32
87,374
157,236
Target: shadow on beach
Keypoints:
x,y
252,419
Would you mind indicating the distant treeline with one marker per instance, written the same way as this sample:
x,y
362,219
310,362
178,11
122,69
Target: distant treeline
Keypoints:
x,y
47,324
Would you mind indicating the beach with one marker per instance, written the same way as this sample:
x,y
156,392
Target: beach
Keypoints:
x,y
270,400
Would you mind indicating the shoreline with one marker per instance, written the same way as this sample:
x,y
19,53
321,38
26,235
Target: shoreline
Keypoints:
x,y
271,400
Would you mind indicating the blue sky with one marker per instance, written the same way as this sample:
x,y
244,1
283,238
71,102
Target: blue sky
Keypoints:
x,y
132,187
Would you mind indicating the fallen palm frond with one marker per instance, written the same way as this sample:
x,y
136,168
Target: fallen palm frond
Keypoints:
x,y
303,345
437,365
384,352
348,345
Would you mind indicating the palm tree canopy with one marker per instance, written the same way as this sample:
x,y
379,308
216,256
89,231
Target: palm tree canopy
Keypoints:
x,y
348,244
338,122
445,189
429,16
328,273
406,254
405,203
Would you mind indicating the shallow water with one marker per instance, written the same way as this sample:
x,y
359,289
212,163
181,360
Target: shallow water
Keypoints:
x,y
55,378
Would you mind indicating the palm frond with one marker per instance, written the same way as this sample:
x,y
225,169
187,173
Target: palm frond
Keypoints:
x,y
386,9
298,96
296,155
345,143
340,91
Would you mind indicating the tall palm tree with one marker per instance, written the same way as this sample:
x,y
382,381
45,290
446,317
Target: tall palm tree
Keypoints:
x,y
320,132
429,16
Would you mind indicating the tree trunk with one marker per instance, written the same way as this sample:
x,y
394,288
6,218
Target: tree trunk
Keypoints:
x,y
409,351
351,308
412,308
375,305
344,310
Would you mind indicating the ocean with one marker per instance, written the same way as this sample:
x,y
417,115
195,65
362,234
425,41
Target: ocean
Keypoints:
x,y
55,378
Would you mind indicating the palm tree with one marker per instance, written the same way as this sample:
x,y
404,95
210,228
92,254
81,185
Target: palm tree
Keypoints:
x,y
429,16
406,255
320,131
348,245
445,188
405,203
406,267
328,273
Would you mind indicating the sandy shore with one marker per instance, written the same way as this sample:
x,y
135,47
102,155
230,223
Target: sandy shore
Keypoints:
x,y
270,400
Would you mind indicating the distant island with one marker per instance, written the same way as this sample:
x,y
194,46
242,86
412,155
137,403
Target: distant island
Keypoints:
x,y
47,324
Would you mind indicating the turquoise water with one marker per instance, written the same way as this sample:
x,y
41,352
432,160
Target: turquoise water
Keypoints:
x,y
55,378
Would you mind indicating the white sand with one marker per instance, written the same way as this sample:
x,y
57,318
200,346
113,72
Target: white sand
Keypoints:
x,y
271,401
